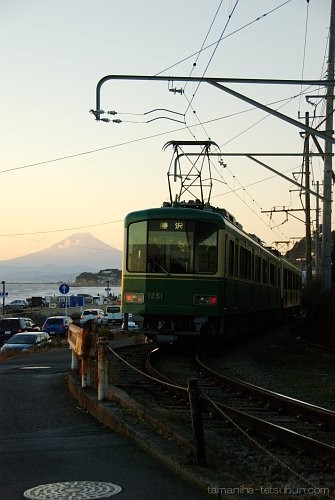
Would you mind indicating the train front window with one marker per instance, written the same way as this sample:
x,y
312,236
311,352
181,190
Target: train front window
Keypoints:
x,y
137,247
170,246
173,246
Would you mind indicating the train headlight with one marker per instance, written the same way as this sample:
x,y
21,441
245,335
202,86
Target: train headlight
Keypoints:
x,y
134,298
205,300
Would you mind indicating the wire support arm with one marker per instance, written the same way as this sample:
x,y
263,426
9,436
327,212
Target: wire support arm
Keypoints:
x,y
273,112
284,176
217,82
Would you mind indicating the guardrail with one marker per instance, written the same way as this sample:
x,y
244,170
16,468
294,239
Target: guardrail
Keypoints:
x,y
86,344
88,347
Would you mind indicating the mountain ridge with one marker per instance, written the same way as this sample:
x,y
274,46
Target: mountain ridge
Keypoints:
x,y
75,254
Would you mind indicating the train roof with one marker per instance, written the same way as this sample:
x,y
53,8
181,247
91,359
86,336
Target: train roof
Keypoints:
x,y
192,210
187,213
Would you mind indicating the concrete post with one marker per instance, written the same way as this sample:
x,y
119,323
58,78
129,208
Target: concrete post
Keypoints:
x,y
74,360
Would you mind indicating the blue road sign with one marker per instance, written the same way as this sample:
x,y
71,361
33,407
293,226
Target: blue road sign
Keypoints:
x,y
3,294
64,288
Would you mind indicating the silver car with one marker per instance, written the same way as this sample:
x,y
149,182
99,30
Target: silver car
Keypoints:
x,y
17,305
95,314
26,341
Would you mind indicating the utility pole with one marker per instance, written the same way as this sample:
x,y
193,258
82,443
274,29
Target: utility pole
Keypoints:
x,y
309,273
327,181
317,233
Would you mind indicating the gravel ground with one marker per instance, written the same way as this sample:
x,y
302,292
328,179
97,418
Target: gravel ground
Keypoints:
x,y
282,362
279,361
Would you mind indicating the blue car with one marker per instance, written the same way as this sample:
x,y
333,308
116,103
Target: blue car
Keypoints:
x,y
57,325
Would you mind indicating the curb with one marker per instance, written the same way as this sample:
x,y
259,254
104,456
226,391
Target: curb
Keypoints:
x,y
160,445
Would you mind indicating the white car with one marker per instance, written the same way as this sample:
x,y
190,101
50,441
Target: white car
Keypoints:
x,y
114,314
95,314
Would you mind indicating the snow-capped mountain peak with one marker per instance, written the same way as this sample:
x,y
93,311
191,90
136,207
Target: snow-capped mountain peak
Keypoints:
x,y
74,254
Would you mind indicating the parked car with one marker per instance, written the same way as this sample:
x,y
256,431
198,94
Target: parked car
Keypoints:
x,y
57,325
10,326
88,299
95,314
132,326
26,341
114,314
17,305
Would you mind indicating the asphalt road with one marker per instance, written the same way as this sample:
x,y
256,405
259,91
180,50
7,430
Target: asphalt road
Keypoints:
x,y
46,438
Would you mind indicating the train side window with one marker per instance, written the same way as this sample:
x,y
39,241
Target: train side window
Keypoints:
x,y
236,259
205,246
265,273
231,258
241,273
272,274
245,264
249,264
258,269
137,246
252,264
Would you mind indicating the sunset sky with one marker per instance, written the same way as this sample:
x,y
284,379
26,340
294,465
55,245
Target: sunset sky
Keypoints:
x,y
63,172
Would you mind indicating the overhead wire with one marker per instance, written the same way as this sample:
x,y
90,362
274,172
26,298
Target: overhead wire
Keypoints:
x,y
140,139
304,50
215,49
63,229
131,141
160,134
203,43
230,34
200,123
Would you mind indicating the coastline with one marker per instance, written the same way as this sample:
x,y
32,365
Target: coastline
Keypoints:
x,y
23,290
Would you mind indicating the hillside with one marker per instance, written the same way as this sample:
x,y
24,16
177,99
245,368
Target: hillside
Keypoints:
x,y
112,276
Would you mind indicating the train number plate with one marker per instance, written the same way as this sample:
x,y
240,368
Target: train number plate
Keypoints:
x,y
155,295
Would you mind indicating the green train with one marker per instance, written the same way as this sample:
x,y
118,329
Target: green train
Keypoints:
x,y
191,271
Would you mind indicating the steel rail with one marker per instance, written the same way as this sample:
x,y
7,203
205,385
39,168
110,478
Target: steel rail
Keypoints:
x,y
274,431
316,413
270,430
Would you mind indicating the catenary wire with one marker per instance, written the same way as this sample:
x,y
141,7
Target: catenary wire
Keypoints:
x,y
212,55
203,43
230,34
304,50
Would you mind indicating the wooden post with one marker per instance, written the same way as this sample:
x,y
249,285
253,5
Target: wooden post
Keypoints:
x,y
85,371
197,424
87,340
125,321
102,368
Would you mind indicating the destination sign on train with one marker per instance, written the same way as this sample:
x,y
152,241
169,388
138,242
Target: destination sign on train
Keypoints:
x,y
172,225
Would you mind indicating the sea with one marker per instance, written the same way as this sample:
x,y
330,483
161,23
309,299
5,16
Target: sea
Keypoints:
x,y
27,290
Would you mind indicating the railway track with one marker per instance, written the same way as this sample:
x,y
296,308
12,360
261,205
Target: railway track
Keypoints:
x,y
236,421
298,424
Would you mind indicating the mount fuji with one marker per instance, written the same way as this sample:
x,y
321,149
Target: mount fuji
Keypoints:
x,y
78,253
